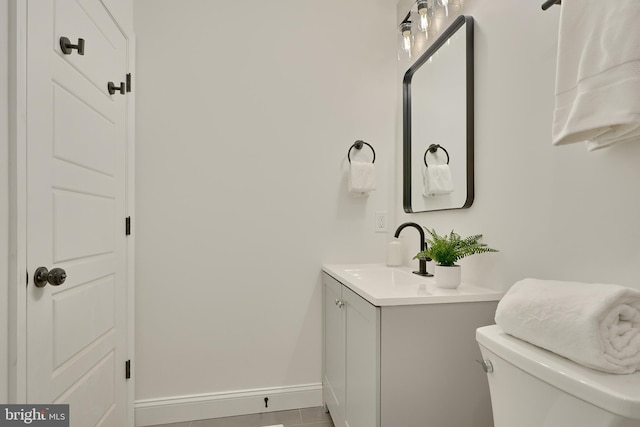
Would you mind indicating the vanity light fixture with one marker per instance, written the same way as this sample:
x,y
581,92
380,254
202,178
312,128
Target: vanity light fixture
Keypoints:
x,y
422,22
445,4
423,8
407,36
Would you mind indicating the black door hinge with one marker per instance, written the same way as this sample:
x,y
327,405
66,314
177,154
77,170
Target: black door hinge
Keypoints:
x,y
128,82
127,369
127,226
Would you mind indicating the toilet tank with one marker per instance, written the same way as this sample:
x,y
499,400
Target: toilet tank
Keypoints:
x,y
532,387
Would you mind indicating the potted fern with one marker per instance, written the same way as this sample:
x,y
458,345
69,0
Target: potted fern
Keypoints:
x,y
446,250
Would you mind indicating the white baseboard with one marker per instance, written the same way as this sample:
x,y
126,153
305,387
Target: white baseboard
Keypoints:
x,y
215,405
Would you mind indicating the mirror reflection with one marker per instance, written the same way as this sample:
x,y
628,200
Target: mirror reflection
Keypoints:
x,y
438,123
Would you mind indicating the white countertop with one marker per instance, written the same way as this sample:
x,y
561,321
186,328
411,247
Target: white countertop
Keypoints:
x,y
388,286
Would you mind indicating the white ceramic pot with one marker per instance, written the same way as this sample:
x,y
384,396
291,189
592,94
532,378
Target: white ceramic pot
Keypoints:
x,y
447,276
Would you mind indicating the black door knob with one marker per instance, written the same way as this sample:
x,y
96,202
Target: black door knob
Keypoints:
x,y
55,277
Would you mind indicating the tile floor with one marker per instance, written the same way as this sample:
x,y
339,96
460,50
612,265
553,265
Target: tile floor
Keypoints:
x,y
306,417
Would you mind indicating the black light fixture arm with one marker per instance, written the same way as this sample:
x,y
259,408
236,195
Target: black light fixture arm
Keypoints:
x,y
548,3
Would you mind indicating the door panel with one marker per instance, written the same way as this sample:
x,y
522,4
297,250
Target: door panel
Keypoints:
x,y
69,142
82,225
98,98
78,369
70,177
95,301
76,139
97,383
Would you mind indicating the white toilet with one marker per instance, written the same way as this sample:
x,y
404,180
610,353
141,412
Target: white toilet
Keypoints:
x,y
532,387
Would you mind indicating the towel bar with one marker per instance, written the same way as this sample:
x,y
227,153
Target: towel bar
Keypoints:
x,y
358,146
432,149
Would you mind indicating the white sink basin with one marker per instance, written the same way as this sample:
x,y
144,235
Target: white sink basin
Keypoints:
x,y
386,286
386,276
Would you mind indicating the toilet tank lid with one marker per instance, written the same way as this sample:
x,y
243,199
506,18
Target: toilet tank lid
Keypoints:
x,y
618,394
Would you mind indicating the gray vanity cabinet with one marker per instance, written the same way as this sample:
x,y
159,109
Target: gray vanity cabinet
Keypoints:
x,y
403,365
351,380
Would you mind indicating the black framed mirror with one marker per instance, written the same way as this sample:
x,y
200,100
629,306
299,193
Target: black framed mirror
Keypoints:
x,y
438,123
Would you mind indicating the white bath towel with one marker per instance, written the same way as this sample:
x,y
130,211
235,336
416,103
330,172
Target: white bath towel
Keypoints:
x,y
595,325
362,177
437,180
598,73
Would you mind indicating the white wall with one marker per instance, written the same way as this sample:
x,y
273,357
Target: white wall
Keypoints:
x,y
554,212
4,197
245,112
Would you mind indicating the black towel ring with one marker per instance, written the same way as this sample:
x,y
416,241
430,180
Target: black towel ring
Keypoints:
x,y
358,146
432,149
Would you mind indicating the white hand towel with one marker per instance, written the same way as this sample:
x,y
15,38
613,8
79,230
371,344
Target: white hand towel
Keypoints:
x,y
595,325
598,73
362,177
437,180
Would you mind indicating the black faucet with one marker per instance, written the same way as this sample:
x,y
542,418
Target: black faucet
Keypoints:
x,y
423,247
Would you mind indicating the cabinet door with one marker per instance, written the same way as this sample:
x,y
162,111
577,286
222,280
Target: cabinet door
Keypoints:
x,y
362,370
333,380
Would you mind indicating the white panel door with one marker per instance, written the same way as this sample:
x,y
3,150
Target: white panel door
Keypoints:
x,y
76,138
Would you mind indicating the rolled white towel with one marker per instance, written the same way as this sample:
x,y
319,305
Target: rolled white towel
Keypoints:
x,y
362,177
595,325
